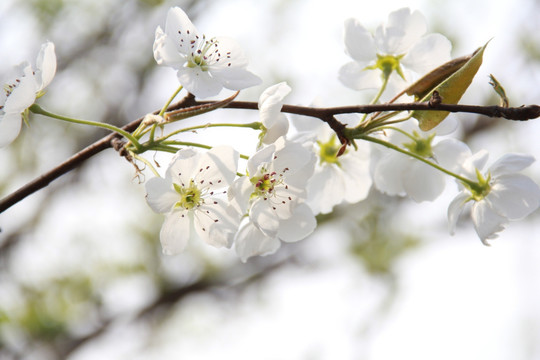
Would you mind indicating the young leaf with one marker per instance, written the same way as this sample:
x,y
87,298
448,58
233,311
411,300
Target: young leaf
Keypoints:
x,y
499,90
450,90
426,83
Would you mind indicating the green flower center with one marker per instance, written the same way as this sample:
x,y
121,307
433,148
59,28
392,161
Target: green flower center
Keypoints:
x,y
190,196
481,189
389,63
420,146
328,151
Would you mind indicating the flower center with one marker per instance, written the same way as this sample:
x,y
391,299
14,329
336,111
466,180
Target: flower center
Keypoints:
x,y
388,63
420,146
328,151
204,52
190,196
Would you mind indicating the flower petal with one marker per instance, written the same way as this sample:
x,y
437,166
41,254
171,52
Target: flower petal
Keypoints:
x,y
24,94
486,221
264,217
250,241
356,77
10,126
298,226
510,163
181,31
422,182
199,82
359,42
428,53
166,52
159,195
514,196
45,65
175,232
214,224
454,210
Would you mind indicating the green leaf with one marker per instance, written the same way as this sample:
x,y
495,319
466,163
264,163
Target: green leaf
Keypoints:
x,y
499,90
450,90
428,82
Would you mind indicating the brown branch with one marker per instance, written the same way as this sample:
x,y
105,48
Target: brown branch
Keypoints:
x,y
325,114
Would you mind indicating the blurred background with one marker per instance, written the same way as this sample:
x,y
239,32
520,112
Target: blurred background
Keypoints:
x,y
81,270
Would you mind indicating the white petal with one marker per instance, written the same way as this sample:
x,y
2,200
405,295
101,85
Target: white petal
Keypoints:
x,y
10,126
389,172
354,76
181,31
175,232
359,42
402,30
486,221
239,193
263,156
422,182
279,127
514,196
264,217
271,100
355,166
217,167
294,161
451,153
199,82
166,52
430,52
45,65
298,226
214,224
184,166
325,189
23,95
454,210
250,241
160,196
510,163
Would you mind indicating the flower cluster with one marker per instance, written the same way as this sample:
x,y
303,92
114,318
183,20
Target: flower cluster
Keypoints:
x,y
291,179
21,91
335,156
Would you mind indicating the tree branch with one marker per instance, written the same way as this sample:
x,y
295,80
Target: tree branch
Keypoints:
x,y
325,114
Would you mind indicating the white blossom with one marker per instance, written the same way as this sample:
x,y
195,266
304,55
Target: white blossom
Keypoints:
x,y
205,66
21,91
192,198
398,45
501,194
274,121
272,195
397,174
346,178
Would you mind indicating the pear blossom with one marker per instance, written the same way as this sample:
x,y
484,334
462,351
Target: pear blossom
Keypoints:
x,y
204,66
272,197
500,195
192,198
275,123
335,180
399,45
21,92
397,174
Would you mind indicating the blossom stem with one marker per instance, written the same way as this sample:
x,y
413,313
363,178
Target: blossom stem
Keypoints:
x,y
185,143
253,125
466,181
36,109
166,106
378,96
